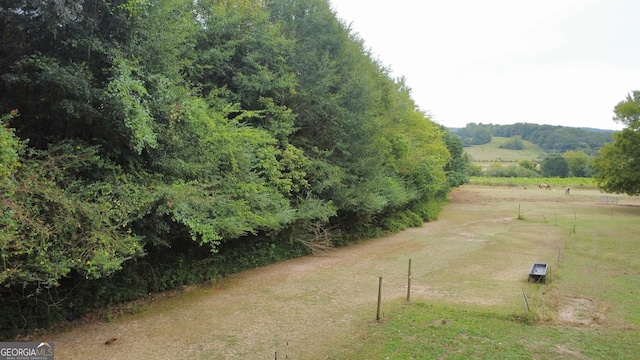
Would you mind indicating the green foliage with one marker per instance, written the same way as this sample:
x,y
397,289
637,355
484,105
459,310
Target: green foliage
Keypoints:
x,y
458,166
510,171
127,94
579,163
552,139
134,7
63,89
10,148
495,159
628,111
429,210
475,170
513,144
533,182
528,164
55,75
169,139
474,134
54,222
554,166
239,49
616,169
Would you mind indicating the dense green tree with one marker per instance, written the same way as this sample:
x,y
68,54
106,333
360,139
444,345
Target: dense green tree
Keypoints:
x,y
529,164
475,134
58,58
513,144
345,110
63,211
579,163
458,166
554,166
242,52
163,142
10,148
617,167
498,170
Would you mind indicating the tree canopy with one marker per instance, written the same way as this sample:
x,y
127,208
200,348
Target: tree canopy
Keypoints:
x,y
184,136
554,166
617,169
552,139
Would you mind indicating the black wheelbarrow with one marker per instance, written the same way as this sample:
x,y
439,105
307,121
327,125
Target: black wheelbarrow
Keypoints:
x,y
538,272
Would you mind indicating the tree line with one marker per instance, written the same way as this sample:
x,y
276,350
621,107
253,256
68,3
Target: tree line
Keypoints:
x,y
569,164
150,144
611,158
552,139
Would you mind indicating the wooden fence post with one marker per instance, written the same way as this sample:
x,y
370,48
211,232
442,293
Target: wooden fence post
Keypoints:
x,y
409,283
379,297
526,303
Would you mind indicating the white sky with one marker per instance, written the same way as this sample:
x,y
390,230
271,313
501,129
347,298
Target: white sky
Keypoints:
x,y
557,62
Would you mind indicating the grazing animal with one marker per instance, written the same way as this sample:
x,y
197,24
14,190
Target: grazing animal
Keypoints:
x,y
545,186
567,191
110,341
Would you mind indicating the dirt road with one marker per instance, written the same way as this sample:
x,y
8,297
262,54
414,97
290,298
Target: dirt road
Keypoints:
x,y
307,307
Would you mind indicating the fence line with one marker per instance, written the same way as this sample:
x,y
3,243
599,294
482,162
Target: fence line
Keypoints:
x,y
603,199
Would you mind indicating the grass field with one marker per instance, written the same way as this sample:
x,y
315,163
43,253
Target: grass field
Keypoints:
x,y
532,183
492,153
589,310
468,285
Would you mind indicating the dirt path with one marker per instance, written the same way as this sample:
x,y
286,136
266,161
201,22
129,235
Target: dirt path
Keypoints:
x,y
306,307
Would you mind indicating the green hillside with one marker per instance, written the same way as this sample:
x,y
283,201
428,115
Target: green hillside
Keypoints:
x,y
492,152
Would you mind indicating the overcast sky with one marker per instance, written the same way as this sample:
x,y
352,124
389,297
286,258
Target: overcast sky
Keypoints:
x,y
558,62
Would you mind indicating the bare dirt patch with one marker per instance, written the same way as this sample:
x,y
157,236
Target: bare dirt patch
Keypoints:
x,y
581,311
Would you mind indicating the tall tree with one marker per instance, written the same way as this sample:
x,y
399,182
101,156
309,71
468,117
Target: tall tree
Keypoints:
x,y
183,129
554,166
457,167
371,149
617,169
59,58
579,163
241,53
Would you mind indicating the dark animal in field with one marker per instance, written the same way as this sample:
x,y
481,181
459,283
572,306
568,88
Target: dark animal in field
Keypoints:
x,y
545,186
110,341
567,190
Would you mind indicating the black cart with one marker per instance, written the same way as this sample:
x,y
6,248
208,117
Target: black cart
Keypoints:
x,y
538,272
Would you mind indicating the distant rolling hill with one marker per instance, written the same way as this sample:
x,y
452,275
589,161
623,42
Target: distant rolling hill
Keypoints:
x,y
486,154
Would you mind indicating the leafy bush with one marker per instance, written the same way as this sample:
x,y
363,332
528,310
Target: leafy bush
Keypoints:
x,y
498,170
513,144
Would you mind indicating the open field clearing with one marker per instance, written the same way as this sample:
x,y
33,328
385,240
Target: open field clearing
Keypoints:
x,y
557,184
486,154
469,272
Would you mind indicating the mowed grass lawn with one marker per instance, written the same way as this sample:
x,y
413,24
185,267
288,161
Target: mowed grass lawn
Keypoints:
x,y
590,308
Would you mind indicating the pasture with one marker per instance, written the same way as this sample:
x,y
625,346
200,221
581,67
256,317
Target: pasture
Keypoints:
x,y
533,183
468,285
487,154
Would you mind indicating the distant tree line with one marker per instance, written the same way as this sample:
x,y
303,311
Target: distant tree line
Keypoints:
x,y
552,139
145,145
569,164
